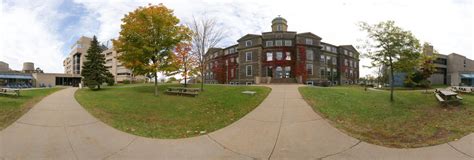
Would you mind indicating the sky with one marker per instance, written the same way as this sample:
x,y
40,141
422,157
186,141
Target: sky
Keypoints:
x,y
44,31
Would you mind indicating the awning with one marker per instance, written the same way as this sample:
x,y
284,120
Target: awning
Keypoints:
x,y
467,75
15,76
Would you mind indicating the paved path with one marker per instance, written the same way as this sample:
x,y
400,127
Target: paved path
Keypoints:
x,y
282,127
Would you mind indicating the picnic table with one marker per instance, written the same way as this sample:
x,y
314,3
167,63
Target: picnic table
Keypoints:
x,y
447,96
10,91
183,91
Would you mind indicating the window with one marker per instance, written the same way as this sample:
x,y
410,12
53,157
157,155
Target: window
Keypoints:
x,y
279,55
355,64
328,48
321,72
334,60
269,43
279,27
345,62
248,70
309,69
269,56
248,43
323,47
350,63
231,73
278,42
328,59
350,54
231,60
309,55
328,72
231,50
334,49
248,56
322,59
215,54
334,72
226,52
309,41
288,56
287,42
345,52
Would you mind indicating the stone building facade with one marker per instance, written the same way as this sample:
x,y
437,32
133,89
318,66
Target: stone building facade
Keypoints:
x,y
453,69
282,56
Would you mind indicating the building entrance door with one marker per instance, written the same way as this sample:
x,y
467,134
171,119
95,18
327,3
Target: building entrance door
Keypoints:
x,y
279,72
287,71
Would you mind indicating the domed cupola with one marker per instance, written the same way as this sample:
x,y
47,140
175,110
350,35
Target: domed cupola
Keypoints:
x,y
279,24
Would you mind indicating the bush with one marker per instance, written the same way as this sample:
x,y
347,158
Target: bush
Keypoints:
x,y
110,81
126,81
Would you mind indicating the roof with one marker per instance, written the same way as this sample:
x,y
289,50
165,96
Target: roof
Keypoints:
x,y
248,36
349,47
15,76
310,34
467,75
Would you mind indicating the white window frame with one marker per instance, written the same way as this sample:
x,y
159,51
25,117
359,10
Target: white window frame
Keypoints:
x,y
312,71
279,58
322,58
247,57
279,27
288,56
247,70
334,60
309,41
269,43
248,43
309,53
271,56
288,43
279,43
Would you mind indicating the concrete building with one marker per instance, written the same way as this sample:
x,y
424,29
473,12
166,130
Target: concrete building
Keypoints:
x,y
282,56
452,69
4,66
74,62
28,77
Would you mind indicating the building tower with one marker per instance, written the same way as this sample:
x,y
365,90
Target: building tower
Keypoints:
x,y
279,24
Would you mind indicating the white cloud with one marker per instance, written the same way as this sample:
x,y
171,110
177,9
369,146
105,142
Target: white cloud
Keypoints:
x,y
28,35
445,23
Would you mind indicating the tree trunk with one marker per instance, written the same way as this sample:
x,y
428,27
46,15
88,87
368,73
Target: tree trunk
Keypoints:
x,y
202,77
98,87
156,84
391,79
185,73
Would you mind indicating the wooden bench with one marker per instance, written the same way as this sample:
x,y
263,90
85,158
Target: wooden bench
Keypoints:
x,y
9,91
440,99
183,91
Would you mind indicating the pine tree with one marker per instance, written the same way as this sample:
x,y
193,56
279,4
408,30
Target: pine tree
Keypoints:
x,y
94,71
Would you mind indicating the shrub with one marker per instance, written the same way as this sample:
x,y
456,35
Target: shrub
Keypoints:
x,y
126,81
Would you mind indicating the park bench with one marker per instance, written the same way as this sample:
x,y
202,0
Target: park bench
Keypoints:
x,y
183,91
447,96
9,91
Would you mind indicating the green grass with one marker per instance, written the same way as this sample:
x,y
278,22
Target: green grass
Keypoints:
x,y
12,107
415,119
137,111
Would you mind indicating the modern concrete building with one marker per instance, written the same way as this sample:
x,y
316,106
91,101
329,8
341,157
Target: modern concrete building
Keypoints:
x,y
28,77
452,69
74,62
4,66
282,56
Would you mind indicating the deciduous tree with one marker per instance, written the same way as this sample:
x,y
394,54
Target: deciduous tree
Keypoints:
x,y
206,34
147,39
391,46
186,61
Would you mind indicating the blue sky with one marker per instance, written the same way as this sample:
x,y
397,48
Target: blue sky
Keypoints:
x,y
43,31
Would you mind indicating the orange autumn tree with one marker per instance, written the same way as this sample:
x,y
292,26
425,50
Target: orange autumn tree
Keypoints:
x,y
186,62
147,39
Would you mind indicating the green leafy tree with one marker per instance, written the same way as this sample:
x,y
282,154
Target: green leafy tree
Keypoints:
x,y
391,46
147,39
94,71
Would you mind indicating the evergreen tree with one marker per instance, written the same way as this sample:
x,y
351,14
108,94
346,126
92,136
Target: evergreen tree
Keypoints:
x,y
94,71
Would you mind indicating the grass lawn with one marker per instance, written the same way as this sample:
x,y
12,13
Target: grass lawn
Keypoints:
x,y
12,107
137,111
415,119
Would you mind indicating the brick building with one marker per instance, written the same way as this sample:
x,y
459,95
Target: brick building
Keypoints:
x,y
282,56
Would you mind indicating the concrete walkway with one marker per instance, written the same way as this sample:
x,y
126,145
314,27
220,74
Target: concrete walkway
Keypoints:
x,y
283,127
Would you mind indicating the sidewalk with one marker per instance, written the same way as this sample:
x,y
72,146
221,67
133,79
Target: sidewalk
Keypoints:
x,y
284,126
